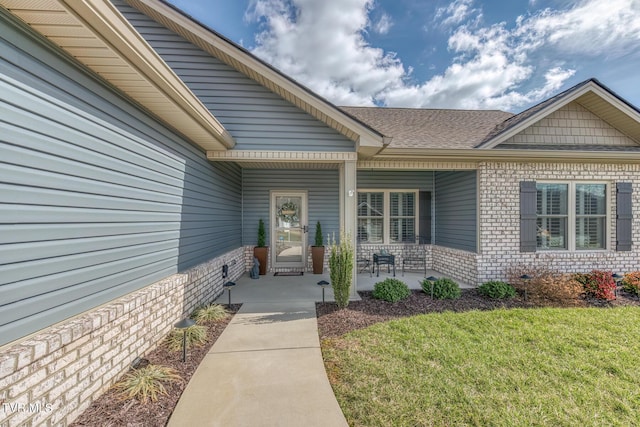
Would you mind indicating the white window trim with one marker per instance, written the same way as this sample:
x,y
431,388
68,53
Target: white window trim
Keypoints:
x,y
571,210
386,211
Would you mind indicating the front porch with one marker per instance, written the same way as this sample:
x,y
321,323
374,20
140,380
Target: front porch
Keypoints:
x,y
270,288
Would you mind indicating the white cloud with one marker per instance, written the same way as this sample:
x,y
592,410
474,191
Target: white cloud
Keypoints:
x,y
456,13
323,45
383,25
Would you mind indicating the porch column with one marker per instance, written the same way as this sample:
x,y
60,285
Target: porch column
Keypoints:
x,y
348,208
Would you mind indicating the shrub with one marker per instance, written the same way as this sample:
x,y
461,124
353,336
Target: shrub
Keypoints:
x,y
546,284
497,290
341,269
631,282
196,335
443,288
210,313
391,290
319,240
145,383
599,284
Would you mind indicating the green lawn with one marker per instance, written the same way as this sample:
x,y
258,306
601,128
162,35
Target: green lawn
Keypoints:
x,y
551,367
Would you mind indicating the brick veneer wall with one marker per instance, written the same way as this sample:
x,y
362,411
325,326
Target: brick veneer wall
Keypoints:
x,y
54,375
456,264
500,217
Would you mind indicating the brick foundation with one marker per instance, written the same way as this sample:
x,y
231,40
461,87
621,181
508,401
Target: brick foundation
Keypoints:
x,y
51,377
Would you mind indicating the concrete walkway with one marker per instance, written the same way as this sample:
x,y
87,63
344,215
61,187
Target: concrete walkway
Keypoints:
x,y
266,369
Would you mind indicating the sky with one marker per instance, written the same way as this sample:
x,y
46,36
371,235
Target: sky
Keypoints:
x,y
462,54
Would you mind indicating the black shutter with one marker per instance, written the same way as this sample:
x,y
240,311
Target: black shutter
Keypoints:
x,y
624,216
528,216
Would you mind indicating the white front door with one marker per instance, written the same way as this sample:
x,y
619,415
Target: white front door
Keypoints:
x,y
289,228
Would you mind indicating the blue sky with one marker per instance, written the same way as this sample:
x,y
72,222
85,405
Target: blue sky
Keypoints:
x,y
465,54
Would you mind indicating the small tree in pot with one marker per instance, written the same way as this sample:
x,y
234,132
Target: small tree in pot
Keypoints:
x,y
261,251
317,251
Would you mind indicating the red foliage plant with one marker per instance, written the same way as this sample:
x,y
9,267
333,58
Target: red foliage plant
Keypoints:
x,y
599,284
631,282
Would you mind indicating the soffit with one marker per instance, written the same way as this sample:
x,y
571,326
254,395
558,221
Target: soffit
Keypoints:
x,y
611,113
249,65
98,36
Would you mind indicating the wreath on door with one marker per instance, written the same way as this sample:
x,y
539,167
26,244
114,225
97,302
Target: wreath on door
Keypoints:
x,y
288,212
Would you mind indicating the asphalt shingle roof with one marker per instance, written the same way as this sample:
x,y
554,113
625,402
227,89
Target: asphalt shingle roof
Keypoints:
x,y
430,128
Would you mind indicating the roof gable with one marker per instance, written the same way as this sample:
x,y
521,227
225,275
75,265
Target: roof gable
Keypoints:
x,y
591,95
572,126
368,140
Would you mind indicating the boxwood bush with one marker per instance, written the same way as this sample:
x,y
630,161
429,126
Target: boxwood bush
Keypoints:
x,y
391,290
497,290
443,288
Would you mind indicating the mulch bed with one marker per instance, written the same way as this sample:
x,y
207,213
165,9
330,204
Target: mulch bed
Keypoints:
x,y
333,322
111,410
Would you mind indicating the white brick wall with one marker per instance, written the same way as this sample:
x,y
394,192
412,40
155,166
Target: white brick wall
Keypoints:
x,y
64,368
500,221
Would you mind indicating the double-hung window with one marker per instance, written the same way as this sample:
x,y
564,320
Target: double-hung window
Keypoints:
x,y
571,216
387,216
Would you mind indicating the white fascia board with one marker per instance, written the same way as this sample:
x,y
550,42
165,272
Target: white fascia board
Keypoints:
x,y
114,30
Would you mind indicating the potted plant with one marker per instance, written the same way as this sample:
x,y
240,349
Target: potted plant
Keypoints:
x,y
317,251
261,250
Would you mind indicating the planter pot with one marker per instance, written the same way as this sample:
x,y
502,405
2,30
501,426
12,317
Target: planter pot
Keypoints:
x,y
262,254
317,257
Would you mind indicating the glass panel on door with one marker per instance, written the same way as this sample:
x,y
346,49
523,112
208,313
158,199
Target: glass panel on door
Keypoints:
x,y
289,231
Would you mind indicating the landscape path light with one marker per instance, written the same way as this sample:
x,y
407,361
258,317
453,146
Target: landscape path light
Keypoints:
x,y
184,324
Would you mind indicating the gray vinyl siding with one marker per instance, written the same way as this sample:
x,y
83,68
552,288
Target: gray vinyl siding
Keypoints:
x,y
389,180
323,194
257,118
97,199
456,210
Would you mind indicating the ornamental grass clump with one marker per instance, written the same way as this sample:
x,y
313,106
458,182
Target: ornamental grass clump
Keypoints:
x,y
631,282
497,290
196,335
391,290
146,384
341,269
443,288
210,313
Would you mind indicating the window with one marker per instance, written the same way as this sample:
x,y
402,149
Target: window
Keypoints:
x,y
576,225
371,217
387,216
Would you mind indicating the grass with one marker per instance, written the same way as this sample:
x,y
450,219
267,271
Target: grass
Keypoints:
x,y
524,367
196,335
210,313
146,384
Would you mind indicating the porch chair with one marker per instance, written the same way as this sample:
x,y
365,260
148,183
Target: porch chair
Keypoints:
x,y
364,262
414,256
